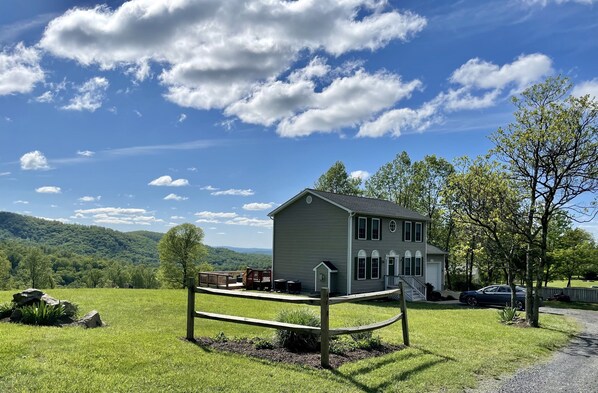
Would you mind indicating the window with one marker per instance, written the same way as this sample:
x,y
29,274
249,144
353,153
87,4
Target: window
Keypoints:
x,y
375,265
407,264
392,225
361,268
375,229
418,264
418,231
407,231
362,228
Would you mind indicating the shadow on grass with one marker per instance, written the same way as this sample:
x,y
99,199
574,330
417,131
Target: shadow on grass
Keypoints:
x,y
413,305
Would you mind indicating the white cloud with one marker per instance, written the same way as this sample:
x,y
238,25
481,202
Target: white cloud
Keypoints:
x,y
363,175
192,169
34,161
252,222
90,198
48,190
19,70
90,97
215,53
4,173
234,191
544,3
215,215
21,202
174,197
117,215
62,220
166,181
209,188
138,113
177,218
182,118
587,87
258,206
45,98
85,153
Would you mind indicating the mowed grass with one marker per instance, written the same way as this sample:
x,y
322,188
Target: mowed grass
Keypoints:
x,y
141,350
574,284
575,305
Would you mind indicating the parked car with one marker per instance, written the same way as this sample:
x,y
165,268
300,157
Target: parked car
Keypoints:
x,y
497,295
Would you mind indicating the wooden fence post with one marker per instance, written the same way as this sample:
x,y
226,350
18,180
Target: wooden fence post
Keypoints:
x,y
191,309
404,312
324,328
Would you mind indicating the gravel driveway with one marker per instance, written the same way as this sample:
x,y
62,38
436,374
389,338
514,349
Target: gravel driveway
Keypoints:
x,y
572,369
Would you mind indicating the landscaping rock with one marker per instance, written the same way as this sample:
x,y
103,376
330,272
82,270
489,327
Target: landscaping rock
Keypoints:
x,y
16,315
49,300
27,297
69,308
91,320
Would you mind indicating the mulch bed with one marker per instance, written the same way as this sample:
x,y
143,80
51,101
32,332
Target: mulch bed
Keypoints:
x,y
281,355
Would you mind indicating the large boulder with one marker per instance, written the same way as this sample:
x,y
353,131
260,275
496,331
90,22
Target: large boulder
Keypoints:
x,y
91,320
27,297
49,300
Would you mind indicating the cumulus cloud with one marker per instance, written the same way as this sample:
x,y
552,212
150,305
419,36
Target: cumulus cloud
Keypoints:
x,y
62,220
85,153
362,175
90,198
234,191
252,222
175,197
34,161
258,206
215,215
117,215
19,70
221,54
48,190
230,218
587,87
166,181
90,97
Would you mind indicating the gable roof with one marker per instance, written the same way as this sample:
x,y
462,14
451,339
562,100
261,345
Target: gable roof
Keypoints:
x,y
328,265
358,205
434,250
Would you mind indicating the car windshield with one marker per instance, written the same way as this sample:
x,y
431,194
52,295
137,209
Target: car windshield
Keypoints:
x,y
491,288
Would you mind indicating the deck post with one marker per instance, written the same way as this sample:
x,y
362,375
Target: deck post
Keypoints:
x,y
190,309
325,328
404,312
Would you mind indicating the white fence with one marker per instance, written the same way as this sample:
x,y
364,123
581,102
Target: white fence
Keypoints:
x,y
589,295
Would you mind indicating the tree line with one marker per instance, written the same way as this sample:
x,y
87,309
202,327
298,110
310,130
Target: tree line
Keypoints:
x,y
510,214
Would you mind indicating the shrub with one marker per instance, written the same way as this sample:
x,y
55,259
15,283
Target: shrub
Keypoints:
x,y
508,315
362,335
41,314
373,342
341,345
221,337
298,341
262,343
590,275
6,309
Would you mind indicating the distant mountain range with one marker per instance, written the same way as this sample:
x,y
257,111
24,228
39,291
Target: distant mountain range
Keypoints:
x,y
136,247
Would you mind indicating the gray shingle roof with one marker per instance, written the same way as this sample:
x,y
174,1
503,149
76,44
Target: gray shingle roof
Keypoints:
x,y
369,206
435,250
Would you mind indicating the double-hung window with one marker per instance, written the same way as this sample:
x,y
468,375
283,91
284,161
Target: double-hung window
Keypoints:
x,y
407,233
375,229
362,228
418,231
361,267
375,265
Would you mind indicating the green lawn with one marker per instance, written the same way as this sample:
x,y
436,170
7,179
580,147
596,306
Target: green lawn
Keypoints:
x,y
574,284
141,349
575,305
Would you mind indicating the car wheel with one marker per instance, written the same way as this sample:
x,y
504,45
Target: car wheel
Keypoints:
x,y
472,301
519,305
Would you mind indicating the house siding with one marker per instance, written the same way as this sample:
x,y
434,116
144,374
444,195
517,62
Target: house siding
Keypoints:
x,y
389,241
307,234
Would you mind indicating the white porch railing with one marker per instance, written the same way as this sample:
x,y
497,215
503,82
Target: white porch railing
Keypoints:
x,y
415,289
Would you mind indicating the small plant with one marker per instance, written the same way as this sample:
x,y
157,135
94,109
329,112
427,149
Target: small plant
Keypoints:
x,y
41,314
508,315
298,341
362,335
221,338
371,343
262,343
6,309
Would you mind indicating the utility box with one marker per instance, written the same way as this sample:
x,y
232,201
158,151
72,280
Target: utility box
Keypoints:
x,y
325,276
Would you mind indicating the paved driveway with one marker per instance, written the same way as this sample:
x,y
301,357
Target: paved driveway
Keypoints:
x,y
572,369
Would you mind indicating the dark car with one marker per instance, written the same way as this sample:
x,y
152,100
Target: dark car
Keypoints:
x,y
496,295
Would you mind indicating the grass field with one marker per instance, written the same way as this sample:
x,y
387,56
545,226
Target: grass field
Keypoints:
x,y
574,284
141,350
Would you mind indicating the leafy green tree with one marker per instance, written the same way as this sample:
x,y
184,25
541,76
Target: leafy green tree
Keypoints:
x,y
551,151
337,180
576,252
180,250
393,182
5,271
36,269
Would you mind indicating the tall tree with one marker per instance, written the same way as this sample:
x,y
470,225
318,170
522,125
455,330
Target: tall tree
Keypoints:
x,y
575,252
36,269
5,268
180,250
551,151
393,182
337,180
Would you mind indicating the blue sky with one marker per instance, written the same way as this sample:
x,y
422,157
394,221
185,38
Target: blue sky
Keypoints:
x,y
148,114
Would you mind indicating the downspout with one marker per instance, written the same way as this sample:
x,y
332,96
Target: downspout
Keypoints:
x,y
273,251
349,249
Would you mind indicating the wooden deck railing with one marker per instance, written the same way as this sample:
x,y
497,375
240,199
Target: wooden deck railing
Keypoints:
x,y
324,302
213,278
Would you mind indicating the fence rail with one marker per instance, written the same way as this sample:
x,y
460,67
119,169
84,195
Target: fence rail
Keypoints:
x,y
589,295
324,302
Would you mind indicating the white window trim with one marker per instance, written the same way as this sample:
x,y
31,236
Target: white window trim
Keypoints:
x,y
372,229
421,232
364,259
366,228
410,231
390,224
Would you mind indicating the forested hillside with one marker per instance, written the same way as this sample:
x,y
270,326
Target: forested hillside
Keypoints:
x,y
91,256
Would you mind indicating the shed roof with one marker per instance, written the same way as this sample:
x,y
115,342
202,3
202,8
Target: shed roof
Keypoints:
x,y
328,264
359,205
435,250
